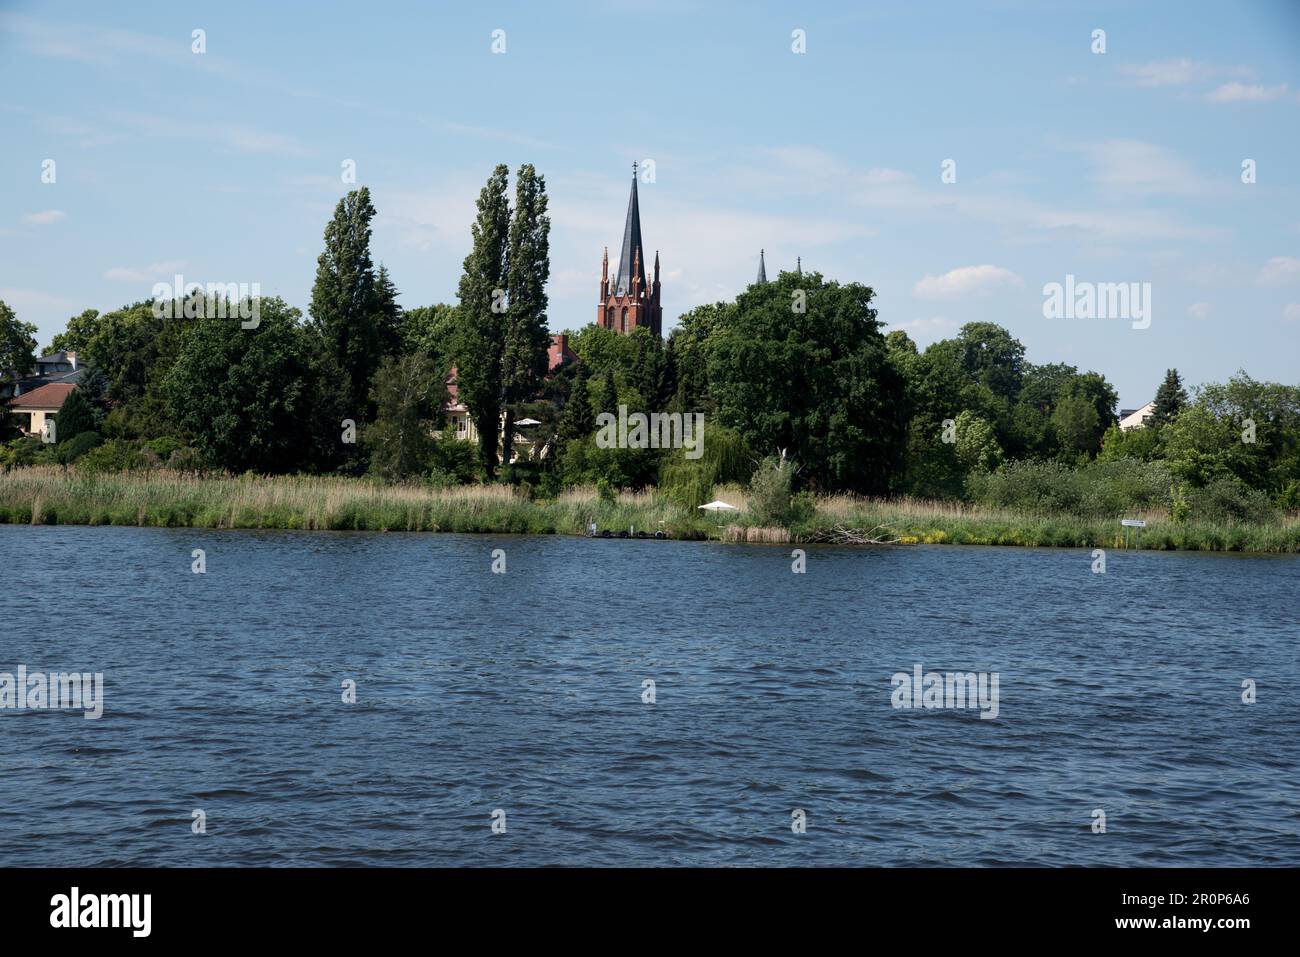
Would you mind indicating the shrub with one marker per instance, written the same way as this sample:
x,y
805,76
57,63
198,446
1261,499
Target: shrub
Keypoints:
x,y
116,455
1229,498
1101,488
73,449
771,498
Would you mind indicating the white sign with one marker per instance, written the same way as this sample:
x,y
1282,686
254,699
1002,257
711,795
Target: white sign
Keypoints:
x,y
1133,522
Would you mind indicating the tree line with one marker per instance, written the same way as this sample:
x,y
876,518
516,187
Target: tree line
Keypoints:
x,y
801,387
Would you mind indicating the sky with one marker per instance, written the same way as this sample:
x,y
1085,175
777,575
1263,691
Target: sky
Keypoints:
x,y
1122,166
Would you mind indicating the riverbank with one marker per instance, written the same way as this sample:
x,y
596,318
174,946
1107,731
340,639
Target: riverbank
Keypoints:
x,y
48,495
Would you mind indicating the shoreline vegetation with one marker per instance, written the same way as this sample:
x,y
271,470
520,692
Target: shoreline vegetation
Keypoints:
x,y
49,495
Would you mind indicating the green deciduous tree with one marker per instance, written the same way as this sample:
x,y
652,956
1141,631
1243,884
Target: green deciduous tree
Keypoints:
x,y
801,366
408,394
525,337
255,399
481,332
81,328
345,305
17,344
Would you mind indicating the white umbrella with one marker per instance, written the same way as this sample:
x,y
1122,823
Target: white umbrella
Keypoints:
x,y
719,506
528,422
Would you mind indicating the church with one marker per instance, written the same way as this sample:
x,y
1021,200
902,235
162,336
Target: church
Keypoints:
x,y
628,301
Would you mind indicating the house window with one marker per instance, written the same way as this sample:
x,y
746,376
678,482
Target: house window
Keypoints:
x,y
460,424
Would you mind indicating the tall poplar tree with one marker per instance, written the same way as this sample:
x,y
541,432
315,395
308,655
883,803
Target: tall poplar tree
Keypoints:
x,y
525,339
344,300
482,317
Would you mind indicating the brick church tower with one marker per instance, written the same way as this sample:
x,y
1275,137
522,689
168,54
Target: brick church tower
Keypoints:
x,y
628,300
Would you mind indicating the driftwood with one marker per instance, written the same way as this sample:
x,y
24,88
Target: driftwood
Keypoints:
x,y
839,535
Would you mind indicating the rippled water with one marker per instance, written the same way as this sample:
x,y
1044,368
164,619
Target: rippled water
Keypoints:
x,y
523,692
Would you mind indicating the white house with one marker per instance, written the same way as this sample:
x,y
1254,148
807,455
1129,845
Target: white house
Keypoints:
x,y
1130,419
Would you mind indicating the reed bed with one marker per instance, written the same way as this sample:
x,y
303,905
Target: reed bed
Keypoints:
x,y
50,495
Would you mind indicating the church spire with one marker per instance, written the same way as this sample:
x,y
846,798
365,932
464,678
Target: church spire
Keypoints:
x,y
762,268
629,264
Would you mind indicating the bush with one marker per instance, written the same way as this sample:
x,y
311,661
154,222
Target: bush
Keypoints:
x,y
73,449
28,450
1228,498
771,499
116,455
1101,488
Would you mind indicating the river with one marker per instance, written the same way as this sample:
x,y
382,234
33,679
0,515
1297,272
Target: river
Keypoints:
x,y
521,700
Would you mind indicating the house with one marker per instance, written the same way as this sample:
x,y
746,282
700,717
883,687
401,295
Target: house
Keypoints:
x,y
40,404
1130,419
56,367
558,354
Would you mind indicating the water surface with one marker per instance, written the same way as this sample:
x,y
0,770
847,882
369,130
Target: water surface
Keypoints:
x,y
523,692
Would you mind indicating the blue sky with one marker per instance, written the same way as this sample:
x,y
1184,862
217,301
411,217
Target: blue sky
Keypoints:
x,y
1115,167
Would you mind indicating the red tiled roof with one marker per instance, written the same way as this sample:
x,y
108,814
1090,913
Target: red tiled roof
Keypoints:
x,y
49,396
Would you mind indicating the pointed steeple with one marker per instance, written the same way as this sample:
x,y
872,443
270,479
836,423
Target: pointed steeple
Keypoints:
x,y
629,263
798,265
762,268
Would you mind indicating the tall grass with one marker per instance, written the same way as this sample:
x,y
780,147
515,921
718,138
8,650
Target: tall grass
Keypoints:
x,y
51,495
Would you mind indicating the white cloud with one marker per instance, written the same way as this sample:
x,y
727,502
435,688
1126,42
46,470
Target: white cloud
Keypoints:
x,y
1280,269
926,330
965,280
25,302
159,270
1175,72
1142,167
1235,92
44,218
233,137
1292,311
1199,310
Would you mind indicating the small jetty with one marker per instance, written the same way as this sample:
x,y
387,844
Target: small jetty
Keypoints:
x,y
593,531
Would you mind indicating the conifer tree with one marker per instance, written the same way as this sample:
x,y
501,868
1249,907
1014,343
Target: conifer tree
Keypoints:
x,y
1171,398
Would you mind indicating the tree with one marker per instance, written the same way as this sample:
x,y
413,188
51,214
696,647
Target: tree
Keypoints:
x,y
977,445
430,330
801,365
481,336
81,328
408,394
17,344
578,420
525,339
1171,399
76,416
687,349
607,397
993,357
255,399
345,305
1077,425
388,314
